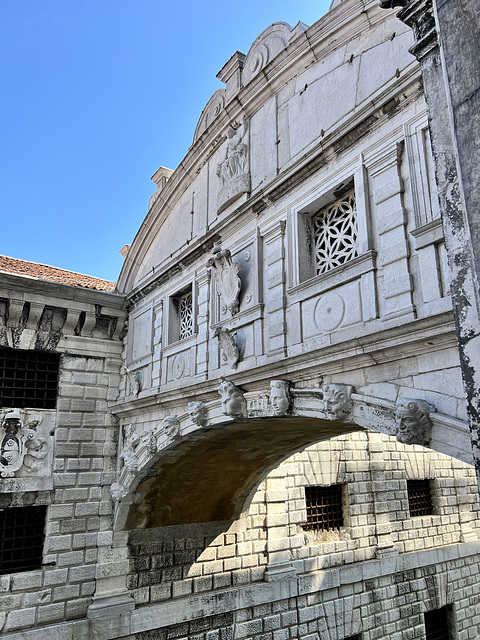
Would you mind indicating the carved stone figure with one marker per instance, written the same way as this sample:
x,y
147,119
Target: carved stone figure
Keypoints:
x,y
236,161
413,421
280,396
226,276
128,454
136,379
171,427
149,440
233,402
337,401
226,341
20,445
233,171
198,412
117,492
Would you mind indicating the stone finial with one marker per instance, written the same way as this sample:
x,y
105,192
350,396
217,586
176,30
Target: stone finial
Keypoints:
x,y
233,402
228,346
280,398
413,422
198,412
337,401
171,427
226,276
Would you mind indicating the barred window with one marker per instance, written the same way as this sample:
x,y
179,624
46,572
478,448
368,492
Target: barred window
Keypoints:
x,y
22,532
28,378
181,323
437,624
419,498
324,507
335,233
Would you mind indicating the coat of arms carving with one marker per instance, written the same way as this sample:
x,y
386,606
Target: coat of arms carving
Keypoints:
x,y
226,277
20,445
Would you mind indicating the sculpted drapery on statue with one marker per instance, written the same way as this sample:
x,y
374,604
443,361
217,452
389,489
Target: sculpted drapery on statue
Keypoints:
x,y
233,170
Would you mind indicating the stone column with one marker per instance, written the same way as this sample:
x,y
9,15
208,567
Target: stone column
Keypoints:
x,y
452,91
203,321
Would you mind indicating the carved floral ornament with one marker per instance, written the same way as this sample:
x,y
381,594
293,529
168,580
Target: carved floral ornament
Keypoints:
x,y
20,447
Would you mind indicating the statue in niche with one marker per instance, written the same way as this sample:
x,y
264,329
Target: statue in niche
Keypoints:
x,y
171,426
280,398
198,413
236,160
131,442
20,445
413,422
226,277
337,401
233,171
226,341
233,402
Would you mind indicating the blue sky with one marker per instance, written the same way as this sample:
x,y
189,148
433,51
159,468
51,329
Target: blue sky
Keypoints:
x,y
96,95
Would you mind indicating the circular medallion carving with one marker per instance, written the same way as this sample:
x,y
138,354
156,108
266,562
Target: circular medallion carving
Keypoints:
x,y
329,312
178,366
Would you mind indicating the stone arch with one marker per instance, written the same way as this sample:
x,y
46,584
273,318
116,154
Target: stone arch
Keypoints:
x,y
183,473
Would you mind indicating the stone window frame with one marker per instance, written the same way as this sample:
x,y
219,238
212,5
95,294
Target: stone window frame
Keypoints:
x,y
335,536
300,214
433,502
173,314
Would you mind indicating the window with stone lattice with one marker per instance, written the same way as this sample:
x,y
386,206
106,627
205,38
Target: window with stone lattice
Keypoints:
x,y
335,232
181,315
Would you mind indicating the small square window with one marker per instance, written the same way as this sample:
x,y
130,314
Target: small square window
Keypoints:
x,y
181,324
22,532
419,498
28,378
324,507
437,624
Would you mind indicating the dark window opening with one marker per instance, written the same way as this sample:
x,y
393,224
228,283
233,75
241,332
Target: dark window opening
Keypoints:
x,y
324,507
22,532
419,498
436,624
28,378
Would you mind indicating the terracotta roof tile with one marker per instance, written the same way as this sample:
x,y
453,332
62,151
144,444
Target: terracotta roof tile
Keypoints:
x,y
53,274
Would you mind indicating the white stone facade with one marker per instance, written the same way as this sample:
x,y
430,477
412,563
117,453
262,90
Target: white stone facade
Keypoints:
x,y
282,321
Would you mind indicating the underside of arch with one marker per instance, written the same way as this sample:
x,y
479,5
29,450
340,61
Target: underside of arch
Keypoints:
x,y
213,478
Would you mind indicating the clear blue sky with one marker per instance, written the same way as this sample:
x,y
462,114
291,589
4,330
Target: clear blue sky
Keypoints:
x,y
95,96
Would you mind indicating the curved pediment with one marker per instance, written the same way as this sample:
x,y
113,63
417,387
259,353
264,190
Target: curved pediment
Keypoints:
x,y
212,109
267,46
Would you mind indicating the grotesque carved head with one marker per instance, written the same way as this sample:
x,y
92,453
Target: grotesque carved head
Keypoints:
x,y
413,421
280,396
171,427
12,422
233,402
338,401
198,413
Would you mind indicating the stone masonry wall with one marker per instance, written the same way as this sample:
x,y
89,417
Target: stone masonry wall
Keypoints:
x,y
181,561
79,515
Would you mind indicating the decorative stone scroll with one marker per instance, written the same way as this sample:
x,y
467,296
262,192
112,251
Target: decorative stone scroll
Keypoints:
x,y
226,342
198,413
337,399
21,446
413,424
234,171
226,277
233,402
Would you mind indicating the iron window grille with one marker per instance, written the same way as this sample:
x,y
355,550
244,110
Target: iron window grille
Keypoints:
x,y
22,532
335,232
185,304
357,637
324,507
436,624
28,378
419,498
